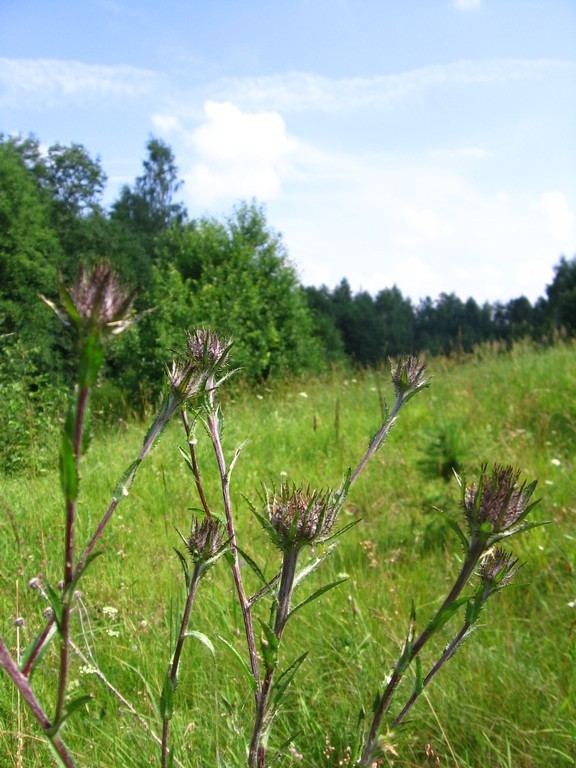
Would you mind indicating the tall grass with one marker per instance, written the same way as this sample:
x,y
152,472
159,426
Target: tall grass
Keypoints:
x,y
508,698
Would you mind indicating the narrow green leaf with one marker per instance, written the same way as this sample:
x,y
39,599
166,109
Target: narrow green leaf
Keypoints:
x,y
127,478
167,697
358,742
237,453
269,646
186,456
70,589
419,682
312,564
53,631
444,616
184,564
74,706
281,751
285,679
340,531
318,593
254,566
203,639
267,525
248,674
56,603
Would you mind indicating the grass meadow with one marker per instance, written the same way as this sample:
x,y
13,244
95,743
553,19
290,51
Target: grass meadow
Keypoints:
x,y
508,698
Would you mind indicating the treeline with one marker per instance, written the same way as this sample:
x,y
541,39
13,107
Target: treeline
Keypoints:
x,y
369,329
234,275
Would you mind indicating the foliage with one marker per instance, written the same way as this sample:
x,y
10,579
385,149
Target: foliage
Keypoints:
x,y
481,703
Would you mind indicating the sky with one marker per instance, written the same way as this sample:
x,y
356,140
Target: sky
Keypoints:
x,y
427,144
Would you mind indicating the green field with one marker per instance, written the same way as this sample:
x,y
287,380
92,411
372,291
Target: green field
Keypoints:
x,y
507,699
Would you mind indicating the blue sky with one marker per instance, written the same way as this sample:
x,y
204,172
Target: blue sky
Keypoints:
x,y
429,144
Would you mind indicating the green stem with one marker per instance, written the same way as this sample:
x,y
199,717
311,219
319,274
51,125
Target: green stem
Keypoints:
x,y
81,409
384,702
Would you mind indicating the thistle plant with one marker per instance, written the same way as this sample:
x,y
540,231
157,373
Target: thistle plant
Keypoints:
x,y
302,524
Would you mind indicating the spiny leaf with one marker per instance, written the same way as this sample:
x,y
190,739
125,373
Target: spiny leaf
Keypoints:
x,y
269,646
167,696
52,632
248,674
317,594
68,470
285,679
126,480
184,564
203,639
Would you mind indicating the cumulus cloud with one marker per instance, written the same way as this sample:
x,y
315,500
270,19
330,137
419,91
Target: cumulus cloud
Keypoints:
x,y
53,82
239,154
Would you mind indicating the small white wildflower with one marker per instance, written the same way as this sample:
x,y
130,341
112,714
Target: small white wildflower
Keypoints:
x,y
303,394
572,604
556,462
87,669
548,482
260,397
112,633
109,610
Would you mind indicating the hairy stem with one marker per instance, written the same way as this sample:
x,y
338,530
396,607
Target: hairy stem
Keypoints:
x,y
237,575
384,702
257,754
23,685
156,429
446,655
81,409
379,438
178,652
195,468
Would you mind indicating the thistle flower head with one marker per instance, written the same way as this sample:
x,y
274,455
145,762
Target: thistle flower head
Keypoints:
x,y
298,516
498,502
497,569
409,375
205,354
185,379
206,540
204,346
96,303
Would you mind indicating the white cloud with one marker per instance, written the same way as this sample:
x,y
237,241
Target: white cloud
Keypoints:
x,y
467,5
166,123
294,92
461,153
52,82
239,155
